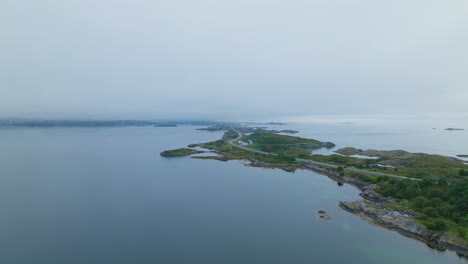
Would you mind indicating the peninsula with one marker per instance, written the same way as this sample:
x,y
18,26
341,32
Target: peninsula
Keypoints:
x,y
419,195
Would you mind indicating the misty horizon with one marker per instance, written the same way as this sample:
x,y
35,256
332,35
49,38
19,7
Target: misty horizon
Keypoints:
x,y
232,60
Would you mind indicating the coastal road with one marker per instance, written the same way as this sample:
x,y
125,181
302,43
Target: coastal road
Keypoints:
x,y
332,166
231,142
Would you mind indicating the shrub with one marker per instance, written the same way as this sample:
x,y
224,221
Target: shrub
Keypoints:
x,y
431,211
408,189
382,179
419,202
456,217
442,182
428,181
438,225
421,216
434,192
461,231
436,202
458,193
445,209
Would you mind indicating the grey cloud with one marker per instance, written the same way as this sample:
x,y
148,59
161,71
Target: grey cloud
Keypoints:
x,y
232,59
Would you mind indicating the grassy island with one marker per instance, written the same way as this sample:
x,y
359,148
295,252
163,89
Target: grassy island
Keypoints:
x,y
178,152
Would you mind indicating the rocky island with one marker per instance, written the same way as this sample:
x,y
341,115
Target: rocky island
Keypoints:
x,y
419,195
323,215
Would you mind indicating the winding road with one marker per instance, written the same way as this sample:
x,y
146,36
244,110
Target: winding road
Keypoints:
x,y
316,163
231,142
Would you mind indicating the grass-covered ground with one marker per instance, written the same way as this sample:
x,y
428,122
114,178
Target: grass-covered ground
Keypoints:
x,y
177,152
232,152
414,165
290,146
264,141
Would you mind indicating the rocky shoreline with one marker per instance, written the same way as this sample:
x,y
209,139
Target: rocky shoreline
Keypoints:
x,y
376,213
372,208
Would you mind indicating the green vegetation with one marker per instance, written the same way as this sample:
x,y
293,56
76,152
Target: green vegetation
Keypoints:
x,y
439,207
177,152
402,189
334,159
232,136
282,144
275,139
286,148
214,144
414,165
365,177
231,152
463,172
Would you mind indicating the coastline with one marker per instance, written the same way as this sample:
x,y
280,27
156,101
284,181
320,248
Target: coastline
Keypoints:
x,y
372,208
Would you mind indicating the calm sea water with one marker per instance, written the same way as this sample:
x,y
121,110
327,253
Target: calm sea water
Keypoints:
x,y
104,195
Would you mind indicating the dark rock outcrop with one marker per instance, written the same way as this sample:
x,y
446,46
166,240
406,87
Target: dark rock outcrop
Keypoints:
x,y
323,215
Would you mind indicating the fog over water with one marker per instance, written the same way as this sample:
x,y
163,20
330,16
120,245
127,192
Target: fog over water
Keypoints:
x,y
232,60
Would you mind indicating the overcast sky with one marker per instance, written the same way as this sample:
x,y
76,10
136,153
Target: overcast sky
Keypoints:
x,y
238,59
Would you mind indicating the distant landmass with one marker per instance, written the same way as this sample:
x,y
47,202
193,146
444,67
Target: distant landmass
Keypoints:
x,y
451,129
266,123
166,125
245,129
97,123
346,123
213,125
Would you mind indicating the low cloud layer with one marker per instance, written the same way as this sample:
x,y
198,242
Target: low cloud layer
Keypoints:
x,y
232,59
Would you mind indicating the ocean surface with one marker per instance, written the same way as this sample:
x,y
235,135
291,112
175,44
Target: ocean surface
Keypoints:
x,y
104,195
